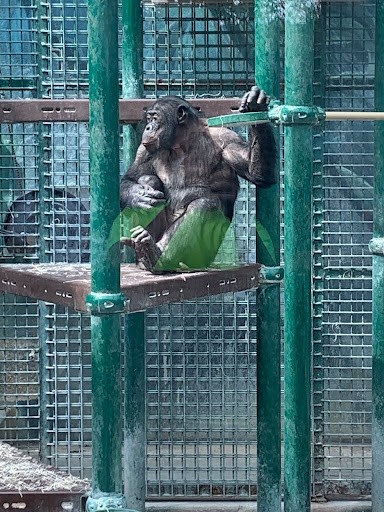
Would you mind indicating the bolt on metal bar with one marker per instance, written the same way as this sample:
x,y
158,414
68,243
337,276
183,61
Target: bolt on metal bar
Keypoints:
x,y
299,56
267,76
378,281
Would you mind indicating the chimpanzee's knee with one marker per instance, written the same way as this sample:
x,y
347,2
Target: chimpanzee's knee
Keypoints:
x,y
204,204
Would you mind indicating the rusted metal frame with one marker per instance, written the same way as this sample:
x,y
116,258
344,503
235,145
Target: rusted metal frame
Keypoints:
x,y
41,501
130,110
69,285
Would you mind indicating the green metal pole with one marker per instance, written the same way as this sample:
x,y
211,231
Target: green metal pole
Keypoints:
x,y
134,370
132,68
267,74
377,247
44,253
105,301
299,55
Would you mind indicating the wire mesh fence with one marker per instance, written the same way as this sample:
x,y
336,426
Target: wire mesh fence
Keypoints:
x,y
201,355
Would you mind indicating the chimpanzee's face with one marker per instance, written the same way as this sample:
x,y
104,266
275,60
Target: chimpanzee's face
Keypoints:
x,y
158,132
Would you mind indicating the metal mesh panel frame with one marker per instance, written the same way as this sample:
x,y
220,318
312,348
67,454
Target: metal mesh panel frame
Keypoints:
x,y
188,343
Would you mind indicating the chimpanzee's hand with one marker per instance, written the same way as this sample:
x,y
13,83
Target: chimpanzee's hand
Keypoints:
x,y
145,196
255,100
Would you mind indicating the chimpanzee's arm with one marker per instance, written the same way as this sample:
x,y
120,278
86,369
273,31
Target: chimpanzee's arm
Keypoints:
x,y
255,161
258,164
139,187
262,156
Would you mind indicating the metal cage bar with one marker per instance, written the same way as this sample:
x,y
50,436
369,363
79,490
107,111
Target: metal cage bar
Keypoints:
x,y
299,55
267,76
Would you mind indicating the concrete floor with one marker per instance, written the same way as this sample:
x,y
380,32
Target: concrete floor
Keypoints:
x,y
246,506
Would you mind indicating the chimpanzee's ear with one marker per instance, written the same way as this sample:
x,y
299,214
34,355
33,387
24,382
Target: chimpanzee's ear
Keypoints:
x,y
182,114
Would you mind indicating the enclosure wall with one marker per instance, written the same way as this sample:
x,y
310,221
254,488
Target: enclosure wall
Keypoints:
x,y
201,356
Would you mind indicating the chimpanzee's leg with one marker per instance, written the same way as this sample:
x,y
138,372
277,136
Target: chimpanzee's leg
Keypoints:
x,y
191,242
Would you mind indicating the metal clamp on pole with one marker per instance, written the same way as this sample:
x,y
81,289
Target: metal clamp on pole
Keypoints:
x,y
277,113
271,275
376,246
293,114
107,503
106,303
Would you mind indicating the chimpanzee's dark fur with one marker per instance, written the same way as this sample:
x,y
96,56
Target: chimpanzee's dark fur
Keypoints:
x,y
192,171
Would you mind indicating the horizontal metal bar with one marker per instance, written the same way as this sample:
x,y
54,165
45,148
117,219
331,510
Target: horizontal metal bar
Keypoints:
x,y
130,111
354,116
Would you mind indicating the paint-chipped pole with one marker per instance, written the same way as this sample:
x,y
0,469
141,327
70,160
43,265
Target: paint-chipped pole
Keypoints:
x,y
377,248
105,301
299,55
134,368
267,76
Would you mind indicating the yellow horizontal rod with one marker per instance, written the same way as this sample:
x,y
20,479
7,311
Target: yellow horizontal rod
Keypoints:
x,y
354,116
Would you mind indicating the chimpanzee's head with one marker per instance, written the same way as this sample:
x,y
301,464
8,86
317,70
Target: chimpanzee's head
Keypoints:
x,y
163,119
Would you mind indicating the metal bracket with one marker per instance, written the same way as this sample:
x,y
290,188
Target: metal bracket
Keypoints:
x,y
376,246
107,503
271,275
277,113
106,303
293,114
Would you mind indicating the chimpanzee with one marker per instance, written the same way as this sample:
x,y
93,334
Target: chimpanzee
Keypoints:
x,y
181,189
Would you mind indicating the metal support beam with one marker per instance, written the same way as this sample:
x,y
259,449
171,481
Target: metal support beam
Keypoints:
x,y
130,110
377,247
299,55
267,76
134,332
105,259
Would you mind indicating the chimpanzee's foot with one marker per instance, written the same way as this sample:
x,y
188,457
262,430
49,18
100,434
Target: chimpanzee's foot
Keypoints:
x,y
147,252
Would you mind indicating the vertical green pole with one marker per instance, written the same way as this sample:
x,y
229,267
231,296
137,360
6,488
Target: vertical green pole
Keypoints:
x,y
44,254
132,67
105,302
377,247
299,55
134,371
267,74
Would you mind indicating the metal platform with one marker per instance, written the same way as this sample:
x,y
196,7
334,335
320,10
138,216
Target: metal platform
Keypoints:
x,y
69,285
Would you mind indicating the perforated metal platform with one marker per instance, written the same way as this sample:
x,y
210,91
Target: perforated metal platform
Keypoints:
x,y
69,285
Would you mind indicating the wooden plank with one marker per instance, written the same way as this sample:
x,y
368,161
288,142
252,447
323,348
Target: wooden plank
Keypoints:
x,y
69,284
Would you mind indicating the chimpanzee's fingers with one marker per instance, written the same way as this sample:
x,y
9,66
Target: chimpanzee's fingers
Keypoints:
x,y
250,100
127,241
148,202
147,190
143,237
254,94
135,232
157,202
157,194
262,97
243,105
143,202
